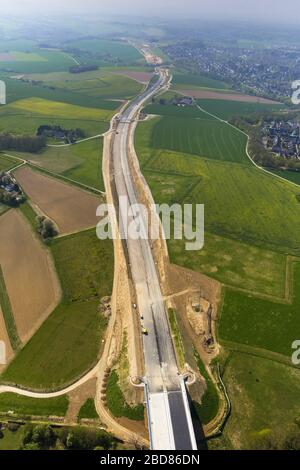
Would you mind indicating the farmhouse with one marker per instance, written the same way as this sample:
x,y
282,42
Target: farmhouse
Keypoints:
x,y
10,191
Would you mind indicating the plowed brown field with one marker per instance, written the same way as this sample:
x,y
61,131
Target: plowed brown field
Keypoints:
x,y
214,95
142,77
72,209
29,274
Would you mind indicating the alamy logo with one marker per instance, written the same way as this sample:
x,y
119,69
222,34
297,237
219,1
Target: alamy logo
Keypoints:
x,y
2,92
181,222
296,93
296,354
2,353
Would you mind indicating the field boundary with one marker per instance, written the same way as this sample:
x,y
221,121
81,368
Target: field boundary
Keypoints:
x,y
258,352
247,148
86,187
8,315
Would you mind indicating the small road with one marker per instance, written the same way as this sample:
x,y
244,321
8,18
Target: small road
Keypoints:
x,y
29,393
77,141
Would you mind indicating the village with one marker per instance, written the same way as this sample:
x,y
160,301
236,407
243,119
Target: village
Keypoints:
x,y
282,138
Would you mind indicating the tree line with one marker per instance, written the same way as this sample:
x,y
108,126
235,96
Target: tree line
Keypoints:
x,y
46,437
22,143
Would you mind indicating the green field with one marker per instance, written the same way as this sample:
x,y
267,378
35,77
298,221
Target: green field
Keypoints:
x,y
265,401
234,263
199,136
84,265
185,80
88,410
206,138
116,402
80,162
6,163
261,323
22,405
95,84
67,344
241,202
227,109
25,116
48,61
176,111
17,89
26,57
105,52
59,110
292,176
26,123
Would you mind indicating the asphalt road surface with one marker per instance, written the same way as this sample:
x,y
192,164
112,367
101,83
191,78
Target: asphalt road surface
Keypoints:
x,y
161,372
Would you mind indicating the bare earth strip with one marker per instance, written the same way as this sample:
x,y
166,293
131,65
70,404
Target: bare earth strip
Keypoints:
x,y
214,95
31,281
4,337
142,77
72,209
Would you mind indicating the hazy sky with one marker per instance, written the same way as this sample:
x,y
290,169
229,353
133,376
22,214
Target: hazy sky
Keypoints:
x,y
264,10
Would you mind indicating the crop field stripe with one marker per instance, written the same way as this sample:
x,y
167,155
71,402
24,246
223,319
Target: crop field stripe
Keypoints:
x,y
8,314
65,179
270,173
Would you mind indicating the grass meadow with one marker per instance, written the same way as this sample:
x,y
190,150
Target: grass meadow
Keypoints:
x,y
68,342
259,322
95,84
39,61
107,52
80,162
21,405
17,89
227,109
117,404
264,398
206,138
59,110
6,163
241,202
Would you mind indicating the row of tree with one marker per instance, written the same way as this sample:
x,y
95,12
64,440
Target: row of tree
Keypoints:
x,y
58,132
43,437
45,228
22,143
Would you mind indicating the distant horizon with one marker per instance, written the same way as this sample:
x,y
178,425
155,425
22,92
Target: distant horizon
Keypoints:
x,y
215,11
